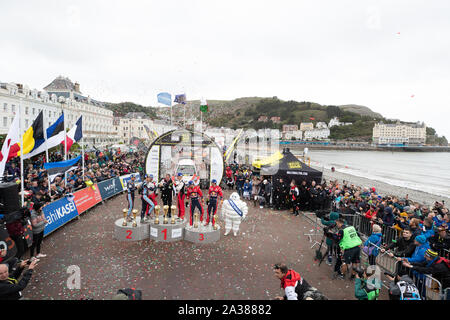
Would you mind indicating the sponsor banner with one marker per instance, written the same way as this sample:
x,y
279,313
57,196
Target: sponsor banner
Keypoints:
x,y
125,179
59,213
109,188
152,164
87,198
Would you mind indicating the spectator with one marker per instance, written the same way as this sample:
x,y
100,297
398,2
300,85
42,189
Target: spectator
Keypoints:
x,y
38,223
363,289
10,287
373,243
441,240
402,288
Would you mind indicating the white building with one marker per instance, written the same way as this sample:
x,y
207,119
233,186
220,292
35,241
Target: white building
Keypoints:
x,y
335,122
316,134
97,120
297,134
399,133
134,124
321,125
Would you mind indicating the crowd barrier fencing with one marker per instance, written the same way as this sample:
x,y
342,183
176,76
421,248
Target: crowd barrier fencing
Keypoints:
x,y
429,287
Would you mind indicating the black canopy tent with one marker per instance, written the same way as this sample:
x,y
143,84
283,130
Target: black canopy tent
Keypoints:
x,y
290,168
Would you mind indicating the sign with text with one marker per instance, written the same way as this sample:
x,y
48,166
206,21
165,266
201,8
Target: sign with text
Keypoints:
x,y
87,198
110,187
125,179
59,213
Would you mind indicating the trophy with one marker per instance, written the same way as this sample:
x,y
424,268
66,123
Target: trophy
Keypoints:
x,y
196,220
215,227
124,223
134,218
157,208
174,209
166,209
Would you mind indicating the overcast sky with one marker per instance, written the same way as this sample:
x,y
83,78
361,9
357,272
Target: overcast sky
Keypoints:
x,y
391,56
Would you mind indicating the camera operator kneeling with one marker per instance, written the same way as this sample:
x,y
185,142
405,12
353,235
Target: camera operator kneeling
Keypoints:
x,y
350,243
10,287
364,290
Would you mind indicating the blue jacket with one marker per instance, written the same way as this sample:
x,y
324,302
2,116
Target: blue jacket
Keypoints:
x,y
428,233
248,187
419,253
375,238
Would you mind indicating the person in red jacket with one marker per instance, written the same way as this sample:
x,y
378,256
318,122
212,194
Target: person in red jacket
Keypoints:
x,y
214,192
294,286
196,196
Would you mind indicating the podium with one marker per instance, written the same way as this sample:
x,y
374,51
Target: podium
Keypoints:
x,y
130,233
202,234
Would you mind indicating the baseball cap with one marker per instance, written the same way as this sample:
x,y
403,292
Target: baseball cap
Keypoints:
x,y
179,174
214,181
190,183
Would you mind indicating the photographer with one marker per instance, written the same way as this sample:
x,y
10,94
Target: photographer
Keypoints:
x,y
10,286
350,243
402,288
15,226
330,224
363,289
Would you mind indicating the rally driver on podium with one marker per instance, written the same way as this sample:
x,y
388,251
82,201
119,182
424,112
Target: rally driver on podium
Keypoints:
x,y
214,192
181,194
148,197
196,196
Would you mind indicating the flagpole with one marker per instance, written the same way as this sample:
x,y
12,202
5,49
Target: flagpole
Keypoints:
x,y
46,155
21,153
82,148
62,100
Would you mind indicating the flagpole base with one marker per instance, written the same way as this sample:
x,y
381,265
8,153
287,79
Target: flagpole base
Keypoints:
x,y
202,234
130,233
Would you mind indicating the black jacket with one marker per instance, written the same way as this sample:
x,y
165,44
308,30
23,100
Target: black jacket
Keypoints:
x,y
439,271
404,248
11,289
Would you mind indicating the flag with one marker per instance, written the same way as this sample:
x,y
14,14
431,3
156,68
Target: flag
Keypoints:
x,y
74,135
165,98
55,169
203,106
55,134
33,137
11,143
180,98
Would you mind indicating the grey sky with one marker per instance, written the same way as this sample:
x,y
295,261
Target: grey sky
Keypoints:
x,y
329,52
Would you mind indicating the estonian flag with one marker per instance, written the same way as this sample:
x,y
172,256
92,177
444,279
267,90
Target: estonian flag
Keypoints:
x,y
55,134
74,135
55,169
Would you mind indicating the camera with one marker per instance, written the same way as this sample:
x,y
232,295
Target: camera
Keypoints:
x,y
360,271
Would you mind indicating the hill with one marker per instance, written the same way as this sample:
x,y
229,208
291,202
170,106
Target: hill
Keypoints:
x,y
121,109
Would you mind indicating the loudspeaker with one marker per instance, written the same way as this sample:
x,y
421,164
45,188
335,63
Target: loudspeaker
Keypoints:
x,y
9,197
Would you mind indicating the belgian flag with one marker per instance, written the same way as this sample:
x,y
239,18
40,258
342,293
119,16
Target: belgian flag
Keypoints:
x,y
32,138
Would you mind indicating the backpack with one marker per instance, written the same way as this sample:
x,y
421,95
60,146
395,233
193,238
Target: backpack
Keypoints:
x,y
443,260
370,248
408,291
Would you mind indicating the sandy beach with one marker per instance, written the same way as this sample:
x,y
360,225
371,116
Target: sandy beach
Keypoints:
x,y
384,188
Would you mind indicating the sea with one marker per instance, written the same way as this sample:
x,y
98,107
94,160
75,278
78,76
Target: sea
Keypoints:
x,y
424,171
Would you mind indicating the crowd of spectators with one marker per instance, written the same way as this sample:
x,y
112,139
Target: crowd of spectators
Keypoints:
x,y
99,166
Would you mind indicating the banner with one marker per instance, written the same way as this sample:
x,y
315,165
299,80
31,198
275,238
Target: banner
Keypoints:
x,y
125,179
87,198
59,213
109,188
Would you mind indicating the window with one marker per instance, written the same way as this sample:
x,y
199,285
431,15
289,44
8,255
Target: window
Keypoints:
x,y
26,123
5,107
34,111
26,110
13,108
5,121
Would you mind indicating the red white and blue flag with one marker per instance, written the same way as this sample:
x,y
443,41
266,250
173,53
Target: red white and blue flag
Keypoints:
x,y
75,134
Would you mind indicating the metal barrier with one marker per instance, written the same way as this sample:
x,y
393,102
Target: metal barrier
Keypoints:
x,y
429,287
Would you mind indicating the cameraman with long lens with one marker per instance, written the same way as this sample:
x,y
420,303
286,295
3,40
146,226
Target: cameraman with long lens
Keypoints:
x,y
349,243
330,226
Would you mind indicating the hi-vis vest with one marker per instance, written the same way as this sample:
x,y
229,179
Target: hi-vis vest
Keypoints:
x,y
372,294
350,239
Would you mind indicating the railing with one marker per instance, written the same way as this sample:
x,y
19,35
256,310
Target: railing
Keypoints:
x,y
429,287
